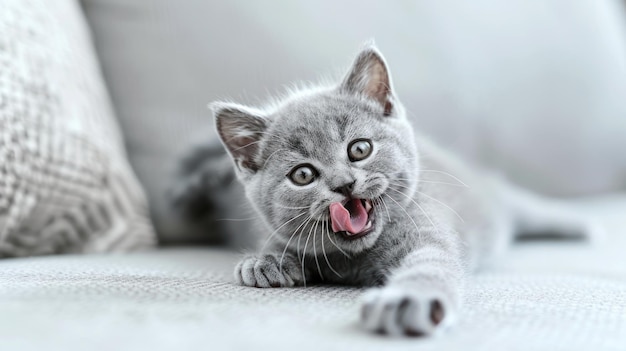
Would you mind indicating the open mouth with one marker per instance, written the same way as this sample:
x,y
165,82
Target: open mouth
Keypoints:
x,y
352,218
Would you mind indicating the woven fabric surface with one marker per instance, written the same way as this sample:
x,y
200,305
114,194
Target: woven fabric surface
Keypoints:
x,y
542,296
184,299
65,185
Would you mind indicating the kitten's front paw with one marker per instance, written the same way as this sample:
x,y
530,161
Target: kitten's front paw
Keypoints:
x,y
267,271
399,311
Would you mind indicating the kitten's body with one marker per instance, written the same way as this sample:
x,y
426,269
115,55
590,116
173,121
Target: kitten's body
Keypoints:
x,y
432,220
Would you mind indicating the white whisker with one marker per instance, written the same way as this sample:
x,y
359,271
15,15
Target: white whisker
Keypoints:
x,y
270,156
277,229
293,208
446,173
325,232
280,263
443,204
382,201
338,248
319,270
258,132
245,146
430,197
271,134
236,219
418,206
303,226
408,215
304,258
435,182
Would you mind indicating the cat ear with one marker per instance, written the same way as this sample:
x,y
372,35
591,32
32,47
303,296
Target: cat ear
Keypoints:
x,y
370,76
241,129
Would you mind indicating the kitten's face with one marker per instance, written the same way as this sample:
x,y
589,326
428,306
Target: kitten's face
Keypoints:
x,y
325,167
315,150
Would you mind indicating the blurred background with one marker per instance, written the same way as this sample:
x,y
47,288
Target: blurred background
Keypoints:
x,y
535,89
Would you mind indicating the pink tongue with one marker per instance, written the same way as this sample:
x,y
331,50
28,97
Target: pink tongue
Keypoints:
x,y
352,221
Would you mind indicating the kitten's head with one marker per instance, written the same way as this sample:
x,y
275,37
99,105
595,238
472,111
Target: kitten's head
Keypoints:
x,y
324,166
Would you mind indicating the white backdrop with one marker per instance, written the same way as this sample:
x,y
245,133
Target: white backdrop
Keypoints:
x,y
534,88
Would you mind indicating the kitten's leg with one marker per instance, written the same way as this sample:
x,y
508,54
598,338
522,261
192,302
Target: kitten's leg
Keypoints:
x,y
269,270
421,296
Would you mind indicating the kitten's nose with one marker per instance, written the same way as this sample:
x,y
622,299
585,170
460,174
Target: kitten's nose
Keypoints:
x,y
346,189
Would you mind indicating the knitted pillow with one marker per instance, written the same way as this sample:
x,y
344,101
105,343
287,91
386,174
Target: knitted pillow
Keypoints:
x,y
65,184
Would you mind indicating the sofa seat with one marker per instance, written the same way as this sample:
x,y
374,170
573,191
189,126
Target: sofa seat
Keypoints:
x,y
541,296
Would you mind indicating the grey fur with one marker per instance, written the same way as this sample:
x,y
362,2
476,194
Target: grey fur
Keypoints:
x,y
434,220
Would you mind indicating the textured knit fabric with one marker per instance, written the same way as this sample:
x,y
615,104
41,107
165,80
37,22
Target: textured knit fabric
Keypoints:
x,y
185,300
542,296
65,185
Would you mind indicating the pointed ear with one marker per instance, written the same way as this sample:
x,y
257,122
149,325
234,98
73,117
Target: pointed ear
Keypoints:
x,y
241,129
369,76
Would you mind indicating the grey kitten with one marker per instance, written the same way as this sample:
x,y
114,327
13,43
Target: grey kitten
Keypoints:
x,y
348,193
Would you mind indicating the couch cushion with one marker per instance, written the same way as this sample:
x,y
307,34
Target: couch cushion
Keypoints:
x,y
542,296
65,183
184,299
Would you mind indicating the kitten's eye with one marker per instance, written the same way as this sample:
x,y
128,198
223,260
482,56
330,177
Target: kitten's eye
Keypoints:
x,y
359,149
303,174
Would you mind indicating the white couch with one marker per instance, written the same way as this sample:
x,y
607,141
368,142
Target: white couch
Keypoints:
x,y
541,296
